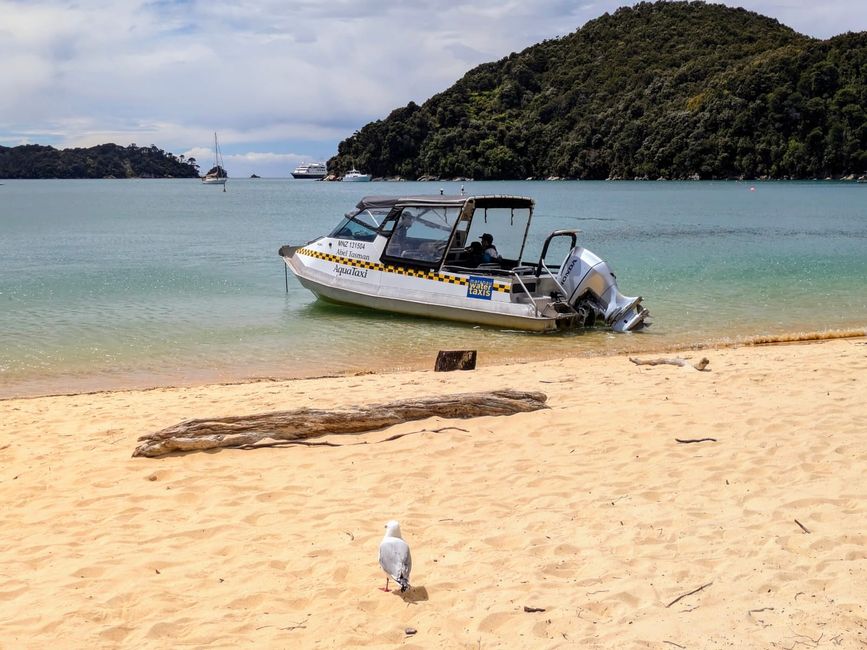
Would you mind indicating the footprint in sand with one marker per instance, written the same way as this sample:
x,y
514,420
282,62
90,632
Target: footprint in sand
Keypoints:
x,y
93,571
115,634
493,622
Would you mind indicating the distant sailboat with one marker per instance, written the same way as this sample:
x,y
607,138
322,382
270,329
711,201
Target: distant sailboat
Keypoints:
x,y
217,175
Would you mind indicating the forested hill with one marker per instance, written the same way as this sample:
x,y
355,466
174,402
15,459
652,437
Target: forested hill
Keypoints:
x,y
659,90
101,161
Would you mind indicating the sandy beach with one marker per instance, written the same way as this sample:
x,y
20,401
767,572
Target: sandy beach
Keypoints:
x,y
590,514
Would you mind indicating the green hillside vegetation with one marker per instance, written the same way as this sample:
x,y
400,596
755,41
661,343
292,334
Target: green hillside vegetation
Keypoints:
x,y
660,90
101,161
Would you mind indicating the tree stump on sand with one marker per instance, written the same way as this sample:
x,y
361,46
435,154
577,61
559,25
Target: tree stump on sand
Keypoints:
x,y
247,430
448,360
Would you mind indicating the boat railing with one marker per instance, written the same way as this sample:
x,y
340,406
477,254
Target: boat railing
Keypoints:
x,y
563,291
517,276
553,277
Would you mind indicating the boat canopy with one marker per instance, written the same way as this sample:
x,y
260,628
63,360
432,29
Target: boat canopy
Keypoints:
x,y
457,200
429,230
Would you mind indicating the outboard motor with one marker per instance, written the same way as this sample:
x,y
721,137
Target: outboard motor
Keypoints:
x,y
591,286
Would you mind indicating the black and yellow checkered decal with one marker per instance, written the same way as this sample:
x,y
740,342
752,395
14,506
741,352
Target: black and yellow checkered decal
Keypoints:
x,y
400,270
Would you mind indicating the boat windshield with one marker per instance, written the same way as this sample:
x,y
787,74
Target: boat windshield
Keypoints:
x,y
507,226
360,226
422,233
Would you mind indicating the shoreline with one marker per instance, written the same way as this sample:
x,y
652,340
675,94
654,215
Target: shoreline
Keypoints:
x,y
125,385
590,512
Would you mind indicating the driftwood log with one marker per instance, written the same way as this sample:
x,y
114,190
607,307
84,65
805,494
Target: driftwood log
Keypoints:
x,y
701,365
247,430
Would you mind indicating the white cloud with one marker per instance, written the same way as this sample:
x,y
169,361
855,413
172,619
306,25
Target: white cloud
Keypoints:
x,y
270,75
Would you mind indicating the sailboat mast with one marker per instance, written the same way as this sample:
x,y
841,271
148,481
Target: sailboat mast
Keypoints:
x,y
218,175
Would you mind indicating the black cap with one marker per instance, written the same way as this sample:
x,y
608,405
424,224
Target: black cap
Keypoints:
x,y
487,236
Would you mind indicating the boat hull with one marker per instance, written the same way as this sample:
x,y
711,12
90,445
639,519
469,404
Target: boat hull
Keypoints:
x,y
404,291
214,181
427,310
311,177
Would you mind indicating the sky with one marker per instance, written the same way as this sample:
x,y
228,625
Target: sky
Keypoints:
x,y
280,81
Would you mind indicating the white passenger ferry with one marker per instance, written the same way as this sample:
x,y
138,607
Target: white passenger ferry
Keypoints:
x,y
421,255
310,170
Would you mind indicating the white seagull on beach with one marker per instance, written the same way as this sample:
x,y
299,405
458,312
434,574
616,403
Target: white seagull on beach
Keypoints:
x,y
394,557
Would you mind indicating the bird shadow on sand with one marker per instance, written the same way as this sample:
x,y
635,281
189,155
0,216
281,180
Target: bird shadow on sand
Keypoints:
x,y
414,595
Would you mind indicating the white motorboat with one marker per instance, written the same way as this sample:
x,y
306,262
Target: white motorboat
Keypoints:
x,y
313,170
355,176
410,255
217,175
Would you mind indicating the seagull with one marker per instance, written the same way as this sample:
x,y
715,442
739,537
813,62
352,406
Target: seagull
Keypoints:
x,y
394,557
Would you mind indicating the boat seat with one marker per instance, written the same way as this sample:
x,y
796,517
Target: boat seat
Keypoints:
x,y
518,288
457,255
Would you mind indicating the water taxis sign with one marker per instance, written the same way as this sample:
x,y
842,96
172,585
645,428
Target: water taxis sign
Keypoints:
x,y
481,288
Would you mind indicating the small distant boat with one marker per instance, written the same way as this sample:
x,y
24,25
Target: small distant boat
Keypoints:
x,y
355,176
310,170
217,175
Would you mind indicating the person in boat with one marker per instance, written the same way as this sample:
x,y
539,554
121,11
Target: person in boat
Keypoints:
x,y
489,251
474,254
398,243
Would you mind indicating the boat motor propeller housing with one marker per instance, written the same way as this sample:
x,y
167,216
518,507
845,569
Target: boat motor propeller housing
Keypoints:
x,y
590,284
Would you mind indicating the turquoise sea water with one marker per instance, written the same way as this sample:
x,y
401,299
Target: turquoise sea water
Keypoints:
x,y
131,283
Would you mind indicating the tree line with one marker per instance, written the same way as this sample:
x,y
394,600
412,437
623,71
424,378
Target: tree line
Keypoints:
x,y
101,161
658,90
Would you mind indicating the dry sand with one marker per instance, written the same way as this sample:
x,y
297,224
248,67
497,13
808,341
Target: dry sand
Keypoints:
x,y
589,510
